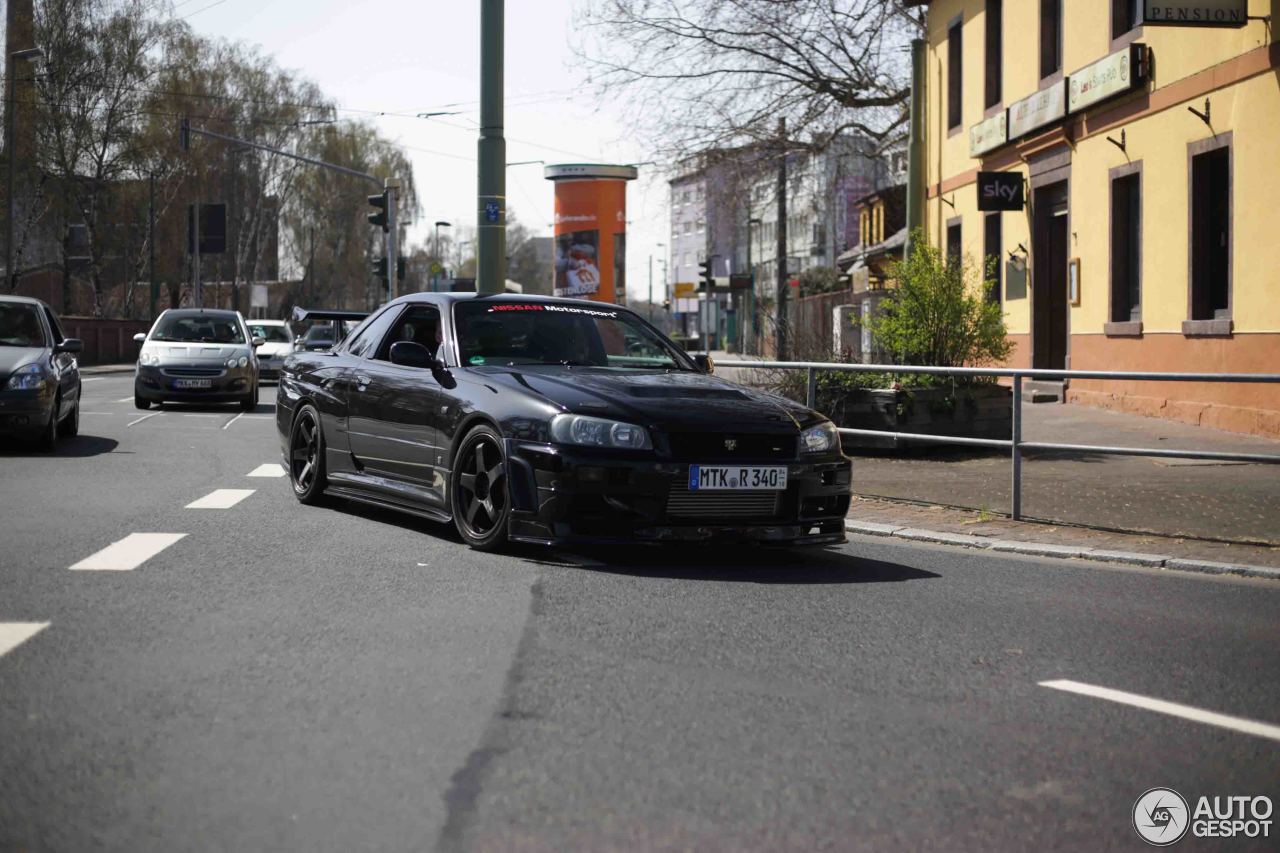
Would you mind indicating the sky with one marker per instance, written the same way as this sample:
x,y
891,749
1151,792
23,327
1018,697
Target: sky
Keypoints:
x,y
410,56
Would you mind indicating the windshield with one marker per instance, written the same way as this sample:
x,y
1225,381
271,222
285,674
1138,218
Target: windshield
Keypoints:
x,y
270,334
206,328
547,333
20,325
320,333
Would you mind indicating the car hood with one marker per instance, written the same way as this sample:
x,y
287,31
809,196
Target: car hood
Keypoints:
x,y
194,353
274,350
676,400
11,358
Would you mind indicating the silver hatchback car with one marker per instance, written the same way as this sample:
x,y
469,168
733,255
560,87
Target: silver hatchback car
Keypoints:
x,y
197,355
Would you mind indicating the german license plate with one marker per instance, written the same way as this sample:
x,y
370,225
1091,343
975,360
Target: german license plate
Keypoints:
x,y
705,478
193,383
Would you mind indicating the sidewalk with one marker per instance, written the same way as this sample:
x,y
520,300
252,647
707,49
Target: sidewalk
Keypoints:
x,y
1231,501
101,369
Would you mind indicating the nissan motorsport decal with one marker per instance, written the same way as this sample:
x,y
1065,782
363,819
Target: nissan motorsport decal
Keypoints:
x,y
557,309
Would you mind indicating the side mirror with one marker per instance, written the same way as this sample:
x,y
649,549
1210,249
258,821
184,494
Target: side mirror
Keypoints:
x,y
257,342
70,345
704,362
141,337
414,354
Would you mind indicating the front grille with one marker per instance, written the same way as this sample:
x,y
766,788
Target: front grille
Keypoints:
x,y
714,505
732,446
191,371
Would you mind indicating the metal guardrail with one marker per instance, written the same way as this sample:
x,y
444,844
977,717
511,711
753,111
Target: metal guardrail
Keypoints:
x,y
1015,445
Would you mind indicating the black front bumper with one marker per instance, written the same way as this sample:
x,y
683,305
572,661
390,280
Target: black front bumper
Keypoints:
x,y
564,496
156,387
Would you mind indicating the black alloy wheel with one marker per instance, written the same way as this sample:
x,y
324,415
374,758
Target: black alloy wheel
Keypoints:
x,y
306,456
71,423
479,496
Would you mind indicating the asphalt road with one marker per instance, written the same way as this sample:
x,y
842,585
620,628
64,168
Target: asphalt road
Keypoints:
x,y
283,677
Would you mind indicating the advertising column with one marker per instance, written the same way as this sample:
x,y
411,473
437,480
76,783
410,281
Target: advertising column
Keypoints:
x,y
591,230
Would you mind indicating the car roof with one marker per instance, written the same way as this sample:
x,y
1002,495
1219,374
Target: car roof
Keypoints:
x,y
267,322
454,298
25,300
201,312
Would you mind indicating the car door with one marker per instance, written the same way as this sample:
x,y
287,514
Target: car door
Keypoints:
x,y
395,410
64,364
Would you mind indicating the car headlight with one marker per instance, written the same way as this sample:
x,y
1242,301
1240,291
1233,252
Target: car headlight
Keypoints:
x,y
599,432
820,439
29,378
235,362
148,359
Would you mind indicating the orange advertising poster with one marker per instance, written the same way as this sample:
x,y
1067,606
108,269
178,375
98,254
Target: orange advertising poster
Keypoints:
x,y
590,234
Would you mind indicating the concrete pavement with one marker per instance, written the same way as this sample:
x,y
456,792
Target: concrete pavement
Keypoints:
x,y
288,677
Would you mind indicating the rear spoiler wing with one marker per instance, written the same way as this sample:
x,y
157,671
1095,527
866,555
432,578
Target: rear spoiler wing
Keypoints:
x,y
302,315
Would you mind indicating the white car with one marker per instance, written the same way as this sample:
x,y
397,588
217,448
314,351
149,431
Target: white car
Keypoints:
x,y
279,343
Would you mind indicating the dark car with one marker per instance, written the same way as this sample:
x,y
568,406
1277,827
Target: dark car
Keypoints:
x,y
39,376
197,355
553,421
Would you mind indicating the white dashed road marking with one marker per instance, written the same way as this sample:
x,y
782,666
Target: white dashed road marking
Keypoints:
x,y
125,400
14,634
220,499
233,420
1160,706
129,553
144,417
271,469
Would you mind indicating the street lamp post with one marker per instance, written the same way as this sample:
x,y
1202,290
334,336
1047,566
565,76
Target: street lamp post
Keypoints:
x,y
31,54
435,251
660,246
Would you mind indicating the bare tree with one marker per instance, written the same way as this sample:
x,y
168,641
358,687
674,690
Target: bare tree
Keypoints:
x,y
700,74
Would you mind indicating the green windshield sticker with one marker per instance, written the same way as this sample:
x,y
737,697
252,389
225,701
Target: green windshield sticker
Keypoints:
x,y
476,359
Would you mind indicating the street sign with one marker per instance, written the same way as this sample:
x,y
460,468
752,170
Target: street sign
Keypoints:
x,y
740,281
685,289
1000,191
491,211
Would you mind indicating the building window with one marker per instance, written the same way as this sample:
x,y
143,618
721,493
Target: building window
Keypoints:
x,y
954,248
994,48
1211,235
955,111
1125,16
1126,248
991,254
1050,37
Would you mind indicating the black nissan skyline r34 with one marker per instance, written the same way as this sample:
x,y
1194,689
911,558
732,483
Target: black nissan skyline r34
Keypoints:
x,y
553,421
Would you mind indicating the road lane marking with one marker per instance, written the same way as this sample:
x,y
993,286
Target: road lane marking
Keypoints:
x,y
1160,706
129,553
97,413
124,400
220,499
144,417
233,420
92,378
271,469
190,415
14,634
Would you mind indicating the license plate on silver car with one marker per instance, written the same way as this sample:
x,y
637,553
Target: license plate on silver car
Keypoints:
x,y
193,383
737,478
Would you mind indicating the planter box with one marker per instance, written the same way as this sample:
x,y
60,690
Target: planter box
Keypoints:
x,y
972,411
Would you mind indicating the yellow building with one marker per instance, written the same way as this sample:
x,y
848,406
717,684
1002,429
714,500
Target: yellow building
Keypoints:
x,y
1149,158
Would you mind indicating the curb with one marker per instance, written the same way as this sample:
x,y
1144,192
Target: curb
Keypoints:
x,y
1045,549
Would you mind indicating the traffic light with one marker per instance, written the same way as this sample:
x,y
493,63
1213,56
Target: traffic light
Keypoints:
x,y
380,269
704,273
400,261
380,218
666,305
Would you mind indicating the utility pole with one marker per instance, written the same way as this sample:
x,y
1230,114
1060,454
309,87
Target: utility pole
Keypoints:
x,y
151,241
915,145
197,294
491,183
782,331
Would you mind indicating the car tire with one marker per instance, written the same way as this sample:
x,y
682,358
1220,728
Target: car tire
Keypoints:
x,y
48,440
140,402
70,426
306,456
250,402
479,496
